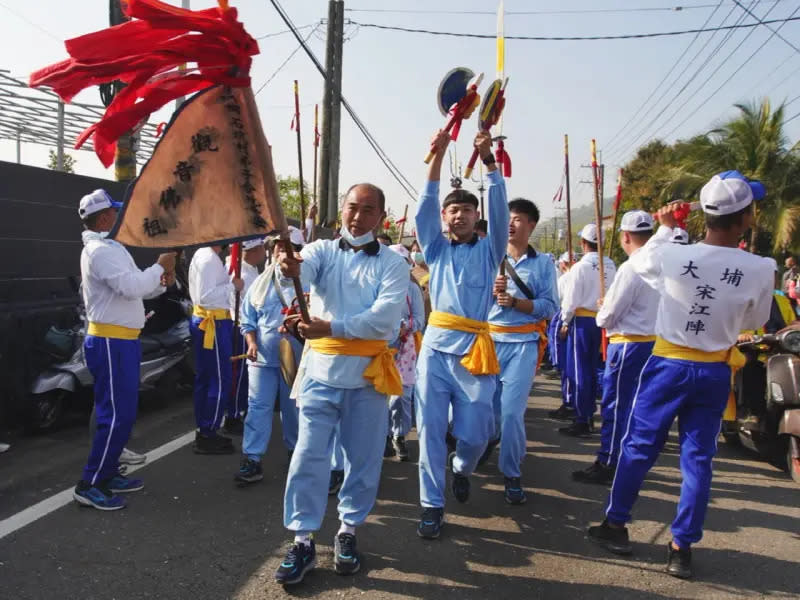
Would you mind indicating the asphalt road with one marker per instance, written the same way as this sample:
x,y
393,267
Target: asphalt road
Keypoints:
x,y
192,534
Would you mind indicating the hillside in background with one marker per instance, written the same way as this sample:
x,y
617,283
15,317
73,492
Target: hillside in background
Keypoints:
x,y
545,238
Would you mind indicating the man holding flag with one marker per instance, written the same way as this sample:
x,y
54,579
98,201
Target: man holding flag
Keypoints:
x,y
578,312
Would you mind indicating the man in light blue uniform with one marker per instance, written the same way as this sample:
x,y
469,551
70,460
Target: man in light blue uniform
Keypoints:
x,y
348,374
411,327
518,324
261,317
457,363
628,314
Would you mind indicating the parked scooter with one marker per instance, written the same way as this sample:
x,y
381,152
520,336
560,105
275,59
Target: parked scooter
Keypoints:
x,y
768,400
68,384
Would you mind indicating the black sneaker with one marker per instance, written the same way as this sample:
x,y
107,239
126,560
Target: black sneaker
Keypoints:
x,y
514,493
213,444
597,473
388,450
488,452
400,448
579,430
337,479
250,471
679,562
430,524
460,485
234,425
614,539
346,559
562,413
300,559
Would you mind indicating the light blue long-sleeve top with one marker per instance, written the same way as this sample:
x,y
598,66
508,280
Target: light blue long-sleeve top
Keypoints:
x,y
462,275
266,319
538,273
361,294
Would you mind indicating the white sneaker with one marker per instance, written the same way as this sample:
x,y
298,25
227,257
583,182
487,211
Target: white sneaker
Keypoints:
x,y
4,447
129,457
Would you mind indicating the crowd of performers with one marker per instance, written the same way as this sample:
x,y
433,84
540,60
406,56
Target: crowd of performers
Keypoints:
x,y
374,359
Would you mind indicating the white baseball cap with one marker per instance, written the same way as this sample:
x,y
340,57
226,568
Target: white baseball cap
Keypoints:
x,y
95,202
679,236
296,236
250,244
636,220
589,233
564,258
729,192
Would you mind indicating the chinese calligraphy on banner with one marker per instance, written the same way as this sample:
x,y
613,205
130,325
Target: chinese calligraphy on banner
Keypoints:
x,y
210,179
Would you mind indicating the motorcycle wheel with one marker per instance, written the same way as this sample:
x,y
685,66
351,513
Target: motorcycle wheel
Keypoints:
x,y
792,464
47,411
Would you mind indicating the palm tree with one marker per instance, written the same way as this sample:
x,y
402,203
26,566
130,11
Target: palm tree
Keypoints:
x,y
754,144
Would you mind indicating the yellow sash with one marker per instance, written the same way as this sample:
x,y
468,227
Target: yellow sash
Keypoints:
x,y
621,338
585,312
539,327
481,358
116,332
210,316
381,371
732,356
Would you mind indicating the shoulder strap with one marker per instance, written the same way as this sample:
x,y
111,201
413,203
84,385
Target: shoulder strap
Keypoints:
x,y
520,284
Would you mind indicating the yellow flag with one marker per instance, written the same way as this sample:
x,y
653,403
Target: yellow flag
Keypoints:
x,y
501,43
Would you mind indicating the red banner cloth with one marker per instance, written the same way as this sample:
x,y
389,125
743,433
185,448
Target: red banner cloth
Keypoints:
x,y
146,53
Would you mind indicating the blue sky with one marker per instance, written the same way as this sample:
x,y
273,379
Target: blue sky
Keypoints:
x,y
583,88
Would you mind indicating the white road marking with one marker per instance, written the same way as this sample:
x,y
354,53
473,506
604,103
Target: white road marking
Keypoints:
x,y
56,501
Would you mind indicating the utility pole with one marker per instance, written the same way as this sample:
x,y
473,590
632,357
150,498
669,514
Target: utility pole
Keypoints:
x,y
125,157
19,144
328,192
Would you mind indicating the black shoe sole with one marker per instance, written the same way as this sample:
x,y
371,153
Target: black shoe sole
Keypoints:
x,y
581,478
429,537
611,546
211,451
679,574
348,571
243,481
299,578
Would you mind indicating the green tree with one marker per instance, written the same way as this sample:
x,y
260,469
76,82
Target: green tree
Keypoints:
x,y
52,162
289,189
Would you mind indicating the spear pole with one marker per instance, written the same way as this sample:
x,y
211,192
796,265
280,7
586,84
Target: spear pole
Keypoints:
x,y
569,210
617,202
299,154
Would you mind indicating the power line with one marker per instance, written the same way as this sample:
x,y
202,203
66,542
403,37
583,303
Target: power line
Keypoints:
x,y
775,31
638,137
384,158
277,33
285,62
639,131
790,119
586,11
19,15
731,76
664,79
628,36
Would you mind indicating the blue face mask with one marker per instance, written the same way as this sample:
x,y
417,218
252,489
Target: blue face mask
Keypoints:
x,y
418,258
361,240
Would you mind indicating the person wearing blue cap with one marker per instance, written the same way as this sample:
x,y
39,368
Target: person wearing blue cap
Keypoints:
x,y
113,289
628,314
708,292
525,298
457,364
579,328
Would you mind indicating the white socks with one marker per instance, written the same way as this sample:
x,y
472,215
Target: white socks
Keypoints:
x,y
303,538
345,528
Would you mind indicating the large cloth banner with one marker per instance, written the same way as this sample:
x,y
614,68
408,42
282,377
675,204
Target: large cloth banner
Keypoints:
x,y
210,178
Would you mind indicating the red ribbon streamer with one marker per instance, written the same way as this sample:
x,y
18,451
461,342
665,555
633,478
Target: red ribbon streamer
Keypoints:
x,y
146,53
503,159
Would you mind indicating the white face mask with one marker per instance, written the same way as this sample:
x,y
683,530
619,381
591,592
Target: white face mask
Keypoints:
x,y
361,240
